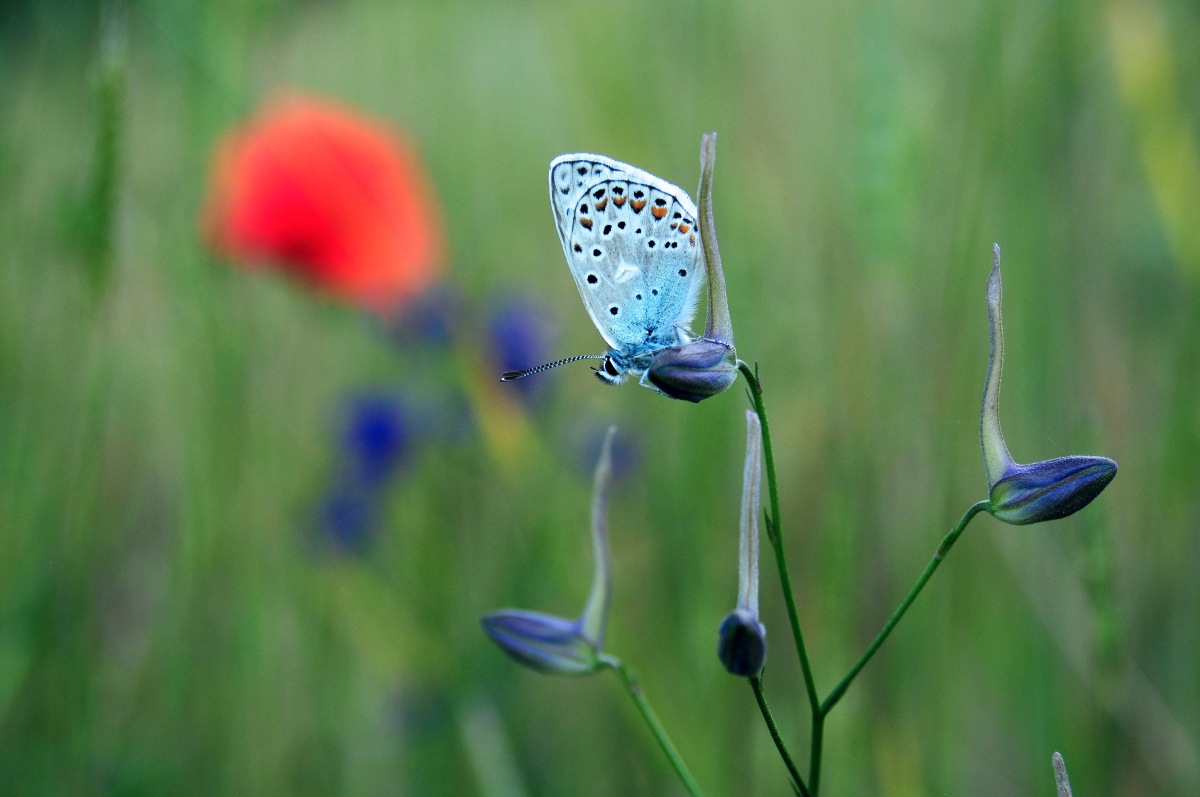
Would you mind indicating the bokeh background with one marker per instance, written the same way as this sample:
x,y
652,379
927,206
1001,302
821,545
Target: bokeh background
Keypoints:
x,y
247,529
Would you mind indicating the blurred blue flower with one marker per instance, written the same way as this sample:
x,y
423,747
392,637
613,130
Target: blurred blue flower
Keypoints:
x,y
349,519
518,334
376,441
376,438
431,317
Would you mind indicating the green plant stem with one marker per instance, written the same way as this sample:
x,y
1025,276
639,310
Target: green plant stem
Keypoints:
x,y
774,536
757,686
815,751
630,682
942,549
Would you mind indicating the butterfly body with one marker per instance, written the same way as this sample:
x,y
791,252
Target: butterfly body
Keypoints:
x,y
634,251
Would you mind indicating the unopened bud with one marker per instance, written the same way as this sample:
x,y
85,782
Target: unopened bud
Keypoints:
x,y
544,642
694,371
742,644
1046,490
1049,490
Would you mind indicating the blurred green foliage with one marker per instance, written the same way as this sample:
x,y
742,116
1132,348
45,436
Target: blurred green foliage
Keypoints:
x,y
166,433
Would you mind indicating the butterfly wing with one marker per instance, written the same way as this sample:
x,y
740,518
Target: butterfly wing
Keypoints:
x,y
631,242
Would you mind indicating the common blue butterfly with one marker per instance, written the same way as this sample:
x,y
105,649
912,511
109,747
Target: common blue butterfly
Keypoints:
x,y
635,252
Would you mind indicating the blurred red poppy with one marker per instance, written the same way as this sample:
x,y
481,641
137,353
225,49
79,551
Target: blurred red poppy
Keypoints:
x,y
329,195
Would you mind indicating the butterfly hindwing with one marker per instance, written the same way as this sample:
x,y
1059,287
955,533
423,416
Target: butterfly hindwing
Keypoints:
x,y
631,242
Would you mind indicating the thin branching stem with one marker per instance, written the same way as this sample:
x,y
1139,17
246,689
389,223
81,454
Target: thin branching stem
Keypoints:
x,y
757,686
942,549
630,682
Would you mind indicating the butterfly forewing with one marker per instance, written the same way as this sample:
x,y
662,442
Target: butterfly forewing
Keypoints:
x,y
633,248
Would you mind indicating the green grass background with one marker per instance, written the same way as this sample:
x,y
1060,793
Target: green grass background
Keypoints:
x,y
167,423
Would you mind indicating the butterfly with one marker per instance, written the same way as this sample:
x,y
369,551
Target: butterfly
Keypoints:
x,y
635,252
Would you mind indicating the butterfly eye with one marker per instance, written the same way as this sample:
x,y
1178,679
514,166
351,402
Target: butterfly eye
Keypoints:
x,y
609,368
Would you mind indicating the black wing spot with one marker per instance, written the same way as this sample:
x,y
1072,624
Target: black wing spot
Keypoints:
x,y
650,243
592,280
566,190
654,291
582,170
599,192
638,297
638,194
583,208
660,202
596,253
578,248
638,231
618,190
683,272
613,310
607,229
620,225
678,215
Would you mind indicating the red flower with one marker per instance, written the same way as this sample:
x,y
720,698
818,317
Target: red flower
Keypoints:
x,y
331,196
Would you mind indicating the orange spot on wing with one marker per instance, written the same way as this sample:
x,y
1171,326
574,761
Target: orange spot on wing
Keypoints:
x,y
692,239
684,228
586,222
658,212
618,201
637,205
602,204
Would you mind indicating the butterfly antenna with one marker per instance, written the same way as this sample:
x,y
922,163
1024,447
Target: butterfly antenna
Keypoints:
x,y
509,376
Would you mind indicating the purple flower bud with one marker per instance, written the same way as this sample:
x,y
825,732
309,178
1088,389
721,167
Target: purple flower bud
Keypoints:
x,y
742,644
694,371
1046,490
742,639
552,644
1049,490
543,642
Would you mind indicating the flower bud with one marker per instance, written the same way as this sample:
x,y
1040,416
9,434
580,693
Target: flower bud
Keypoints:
x,y
1046,490
742,644
552,644
543,642
694,371
1049,490
742,639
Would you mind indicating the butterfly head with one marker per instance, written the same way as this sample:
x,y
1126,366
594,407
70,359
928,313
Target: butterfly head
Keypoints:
x,y
611,371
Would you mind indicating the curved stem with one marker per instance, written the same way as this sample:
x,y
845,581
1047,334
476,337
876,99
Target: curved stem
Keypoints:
x,y
942,549
773,535
630,682
757,686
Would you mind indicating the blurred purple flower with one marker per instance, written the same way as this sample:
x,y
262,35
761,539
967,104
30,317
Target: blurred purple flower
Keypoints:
x,y
519,334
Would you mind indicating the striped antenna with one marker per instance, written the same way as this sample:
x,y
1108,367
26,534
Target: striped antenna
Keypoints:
x,y
509,376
